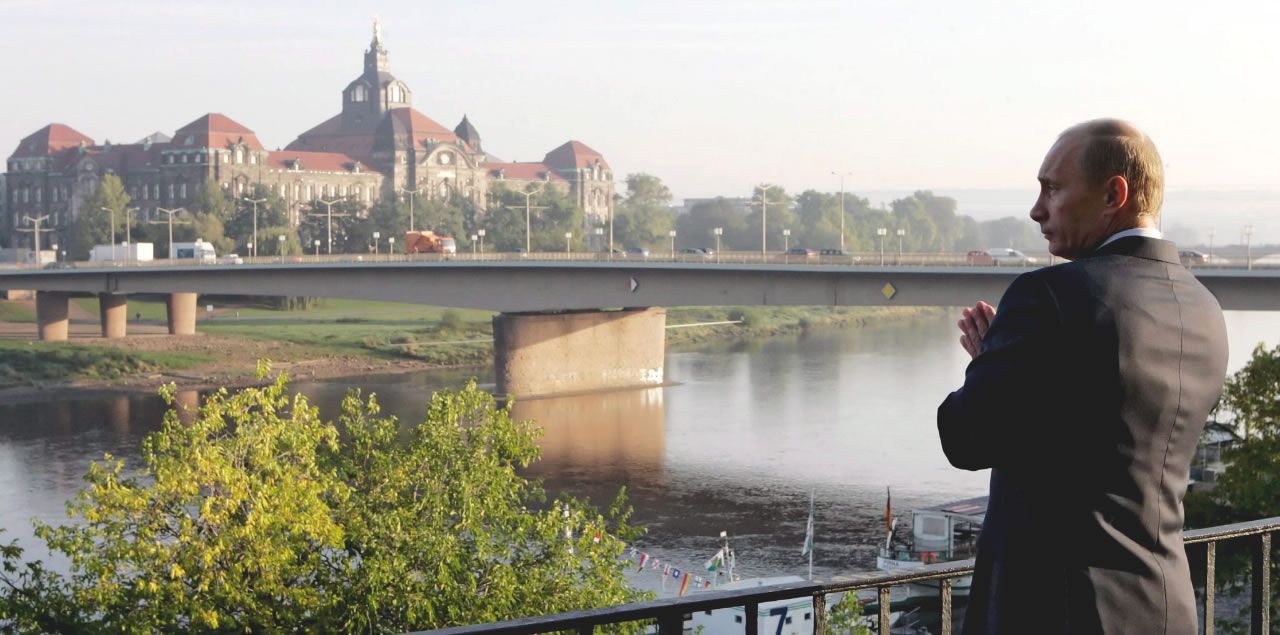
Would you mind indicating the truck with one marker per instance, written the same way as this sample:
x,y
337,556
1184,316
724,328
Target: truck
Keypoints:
x,y
123,251
428,242
198,250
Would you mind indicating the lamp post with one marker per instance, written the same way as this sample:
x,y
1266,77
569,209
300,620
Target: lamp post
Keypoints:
x,y
316,242
391,245
718,231
1210,245
35,231
412,194
881,232
328,214
786,240
842,175
528,214
112,212
764,218
474,239
599,232
169,213
376,237
253,249
280,243
901,232
568,236
1248,247
55,251
672,234
128,234
480,233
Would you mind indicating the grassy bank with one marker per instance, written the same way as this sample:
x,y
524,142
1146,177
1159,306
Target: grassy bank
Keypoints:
x,y
764,322
27,363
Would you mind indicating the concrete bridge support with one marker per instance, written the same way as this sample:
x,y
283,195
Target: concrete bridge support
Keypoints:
x,y
113,312
182,313
51,315
555,353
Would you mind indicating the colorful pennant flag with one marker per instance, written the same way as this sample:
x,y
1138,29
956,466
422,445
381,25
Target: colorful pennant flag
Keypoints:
x,y
675,573
808,530
716,561
644,557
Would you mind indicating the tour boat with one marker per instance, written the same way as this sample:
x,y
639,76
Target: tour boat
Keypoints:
x,y
942,533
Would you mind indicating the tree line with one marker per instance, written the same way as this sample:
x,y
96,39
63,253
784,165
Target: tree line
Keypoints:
x,y
643,217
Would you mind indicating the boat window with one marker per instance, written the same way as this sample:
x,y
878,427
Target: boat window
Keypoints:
x,y
806,616
788,619
934,526
737,619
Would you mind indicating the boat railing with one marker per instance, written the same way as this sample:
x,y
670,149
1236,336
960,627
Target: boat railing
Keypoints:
x,y
926,556
669,613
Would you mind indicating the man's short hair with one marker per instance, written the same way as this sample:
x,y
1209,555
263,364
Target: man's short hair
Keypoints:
x,y
1118,148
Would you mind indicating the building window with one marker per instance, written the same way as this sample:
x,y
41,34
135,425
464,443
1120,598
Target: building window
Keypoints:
x,y
395,93
144,192
182,190
53,195
359,93
239,156
39,193
253,159
155,191
310,193
199,158
171,191
184,158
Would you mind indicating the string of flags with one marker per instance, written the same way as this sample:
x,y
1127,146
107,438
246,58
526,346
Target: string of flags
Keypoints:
x,y
646,562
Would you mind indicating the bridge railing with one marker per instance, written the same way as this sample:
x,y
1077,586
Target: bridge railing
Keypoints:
x,y
670,613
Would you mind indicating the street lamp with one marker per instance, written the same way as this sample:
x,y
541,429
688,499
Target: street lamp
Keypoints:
x,y
112,211
169,213
599,232
280,242
786,240
568,236
391,249
718,231
412,194
764,218
842,175
128,234
881,232
474,239
316,242
253,249
480,233
672,234
55,252
901,232
1248,246
376,237
1210,245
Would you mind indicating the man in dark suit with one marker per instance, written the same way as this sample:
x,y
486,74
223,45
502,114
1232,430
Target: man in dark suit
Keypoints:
x,y
1086,396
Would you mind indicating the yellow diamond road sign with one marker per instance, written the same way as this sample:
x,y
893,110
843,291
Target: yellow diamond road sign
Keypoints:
x,y
888,290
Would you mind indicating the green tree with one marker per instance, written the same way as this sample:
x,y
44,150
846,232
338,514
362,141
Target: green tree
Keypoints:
x,y
92,225
697,227
272,212
643,217
351,233
257,516
210,198
780,215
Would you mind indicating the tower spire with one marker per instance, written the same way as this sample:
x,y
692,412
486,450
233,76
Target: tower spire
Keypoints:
x,y
377,32
375,59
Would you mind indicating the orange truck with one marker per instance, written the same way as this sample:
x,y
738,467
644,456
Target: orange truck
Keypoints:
x,y
428,242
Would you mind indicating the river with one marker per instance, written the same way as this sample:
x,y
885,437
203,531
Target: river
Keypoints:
x,y
736,443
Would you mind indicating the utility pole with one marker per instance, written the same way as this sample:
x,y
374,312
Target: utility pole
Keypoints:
x,y
1248,246
170,213
35,232
528,215
842,175
128,234
1210,245
328,206
254,249
412,194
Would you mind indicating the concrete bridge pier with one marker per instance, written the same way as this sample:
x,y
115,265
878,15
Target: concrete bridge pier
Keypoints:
x,y
113,313
552,353
51,315
182,313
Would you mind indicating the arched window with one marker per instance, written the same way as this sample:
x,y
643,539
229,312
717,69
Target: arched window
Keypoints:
x,y
359,93
155,191
395,93
39,191
239,156
182,190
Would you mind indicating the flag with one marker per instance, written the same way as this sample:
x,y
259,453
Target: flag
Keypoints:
x,y
684,584
596,538
808,530
675,573
716,561
888,510
644,557
656,562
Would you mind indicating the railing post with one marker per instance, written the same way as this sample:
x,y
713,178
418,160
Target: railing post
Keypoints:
x,y
753,618
883,623
671,623
945,617
820,613
1210,589
1260,599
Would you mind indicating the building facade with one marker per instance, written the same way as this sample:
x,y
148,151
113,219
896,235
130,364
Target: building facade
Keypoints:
x,y
376,148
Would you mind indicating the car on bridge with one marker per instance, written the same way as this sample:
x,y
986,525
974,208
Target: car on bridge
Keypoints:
x,y
802,252
695,252
637,252
1005,256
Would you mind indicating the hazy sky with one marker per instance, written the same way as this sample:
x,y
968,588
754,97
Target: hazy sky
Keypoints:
x,y
712,96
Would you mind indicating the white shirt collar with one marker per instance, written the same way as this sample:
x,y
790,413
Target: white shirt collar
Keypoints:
x,y
1147,232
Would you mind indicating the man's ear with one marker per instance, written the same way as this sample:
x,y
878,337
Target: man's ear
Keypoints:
x,y
1116,193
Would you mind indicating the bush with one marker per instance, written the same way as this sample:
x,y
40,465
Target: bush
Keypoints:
x,y
451,320
260,517
748,317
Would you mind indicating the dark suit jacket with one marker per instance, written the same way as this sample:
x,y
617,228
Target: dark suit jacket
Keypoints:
x,y
1087,400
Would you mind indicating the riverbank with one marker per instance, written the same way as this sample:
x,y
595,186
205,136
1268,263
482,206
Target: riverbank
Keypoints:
x,y
333,340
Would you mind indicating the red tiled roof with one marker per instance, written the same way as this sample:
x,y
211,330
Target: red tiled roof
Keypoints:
x,y
422,127
329,137
311,161
214,130
573,155
49,140
521,171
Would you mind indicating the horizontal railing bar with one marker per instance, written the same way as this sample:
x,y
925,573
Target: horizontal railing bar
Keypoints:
x,y
640,610
1234,530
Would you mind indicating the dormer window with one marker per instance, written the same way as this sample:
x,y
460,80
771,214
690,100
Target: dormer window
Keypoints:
x,y
395,93
189,140
184,158
359,93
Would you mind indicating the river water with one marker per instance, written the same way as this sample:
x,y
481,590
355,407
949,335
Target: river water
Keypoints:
x,y
736,443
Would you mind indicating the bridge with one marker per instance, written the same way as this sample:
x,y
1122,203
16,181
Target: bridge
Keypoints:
x,y
566,323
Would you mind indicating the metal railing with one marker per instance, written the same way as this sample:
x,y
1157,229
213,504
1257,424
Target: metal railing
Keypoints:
x,y
669,613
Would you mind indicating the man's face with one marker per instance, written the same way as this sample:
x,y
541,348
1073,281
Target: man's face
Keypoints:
x,y
1070,208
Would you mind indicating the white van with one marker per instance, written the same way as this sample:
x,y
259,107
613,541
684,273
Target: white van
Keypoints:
x,y
199,250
